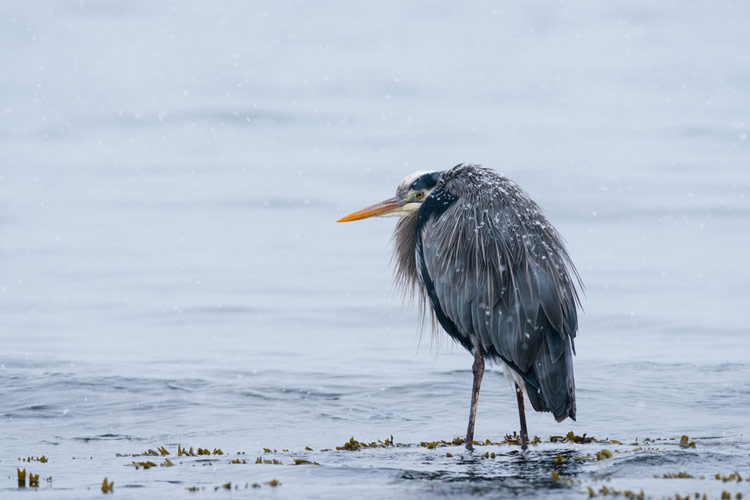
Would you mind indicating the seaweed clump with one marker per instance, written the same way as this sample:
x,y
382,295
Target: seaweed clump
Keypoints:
x,y
354,445
675,475
107,486
33,478
145,465
686,443
431,445
190,453
161,451
513,439
734,476
516,439
606,491
571,437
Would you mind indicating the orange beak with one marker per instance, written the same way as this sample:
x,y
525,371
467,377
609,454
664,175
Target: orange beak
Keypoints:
x,y
381,208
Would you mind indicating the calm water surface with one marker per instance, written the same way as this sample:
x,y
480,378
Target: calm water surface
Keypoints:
x,y
171,272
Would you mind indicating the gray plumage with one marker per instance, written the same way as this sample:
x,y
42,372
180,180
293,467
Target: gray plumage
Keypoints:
x,y
497,277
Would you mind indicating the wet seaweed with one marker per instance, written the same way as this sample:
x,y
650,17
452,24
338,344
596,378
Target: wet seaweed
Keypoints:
x,y
147,453
354,445
33,479
725,495
300,461
431,445
108,486
734,476
509,439
182,452
686,443
675,475
607,491
571,437
143,465
563,465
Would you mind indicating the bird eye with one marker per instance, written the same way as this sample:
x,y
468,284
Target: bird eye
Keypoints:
x,y
420,195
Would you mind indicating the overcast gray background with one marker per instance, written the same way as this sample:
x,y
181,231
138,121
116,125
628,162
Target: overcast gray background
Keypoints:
x,y
171,271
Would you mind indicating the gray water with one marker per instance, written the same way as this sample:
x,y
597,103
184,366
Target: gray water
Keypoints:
x,y
172,273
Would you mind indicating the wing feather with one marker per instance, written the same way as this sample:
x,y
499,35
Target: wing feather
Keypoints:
x,y
502,279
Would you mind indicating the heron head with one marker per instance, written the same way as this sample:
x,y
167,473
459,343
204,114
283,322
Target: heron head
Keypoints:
x,y
411,192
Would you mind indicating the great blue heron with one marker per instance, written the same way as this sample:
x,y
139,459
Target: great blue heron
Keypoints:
x,y
498,278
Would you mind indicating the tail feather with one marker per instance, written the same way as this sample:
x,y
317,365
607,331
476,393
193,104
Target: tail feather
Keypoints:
x,y
554,371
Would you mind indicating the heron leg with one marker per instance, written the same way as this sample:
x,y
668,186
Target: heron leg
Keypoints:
x,y
522,417
478,369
